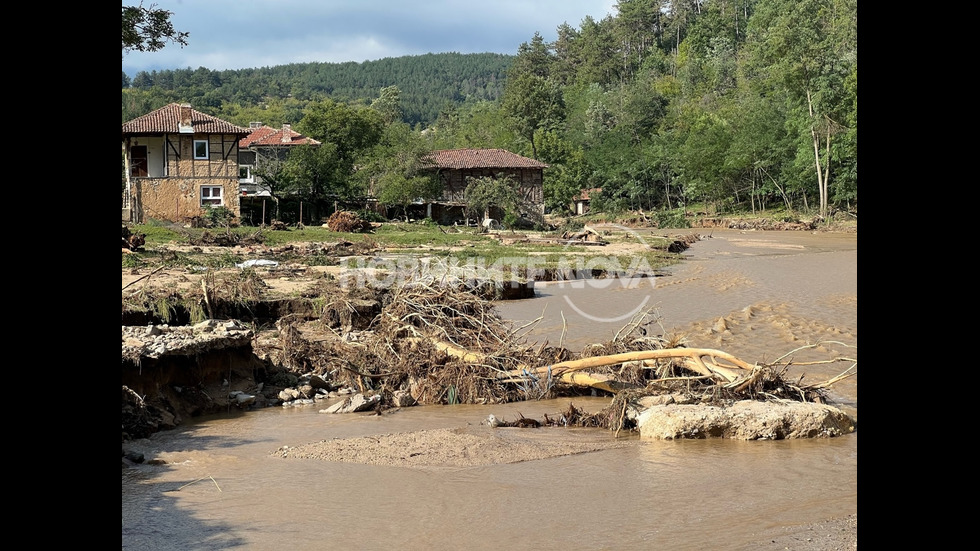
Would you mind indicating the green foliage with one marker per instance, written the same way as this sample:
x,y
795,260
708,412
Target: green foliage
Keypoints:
x,y
426,84
218,217
395,170
133,260
388,104
532,102
472,125
672,219
148,29
502,192
371,216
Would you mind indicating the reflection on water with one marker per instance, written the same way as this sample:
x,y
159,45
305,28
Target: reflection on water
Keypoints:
x,y
221,488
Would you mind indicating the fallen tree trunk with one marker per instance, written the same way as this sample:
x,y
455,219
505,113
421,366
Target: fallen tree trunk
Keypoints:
x,y
691,358
567,371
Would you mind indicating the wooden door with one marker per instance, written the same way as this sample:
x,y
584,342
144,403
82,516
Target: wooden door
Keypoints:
x,y
137,155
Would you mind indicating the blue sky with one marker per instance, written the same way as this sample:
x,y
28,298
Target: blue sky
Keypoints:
x,y
237,34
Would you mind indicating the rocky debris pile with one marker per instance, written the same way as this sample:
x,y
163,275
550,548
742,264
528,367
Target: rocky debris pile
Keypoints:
x,y
154,341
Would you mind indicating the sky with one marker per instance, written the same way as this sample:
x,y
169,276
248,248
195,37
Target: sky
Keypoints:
x,y
238,34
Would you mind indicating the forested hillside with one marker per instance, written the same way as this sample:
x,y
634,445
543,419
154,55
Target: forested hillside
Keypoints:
x,y
731,104
428,83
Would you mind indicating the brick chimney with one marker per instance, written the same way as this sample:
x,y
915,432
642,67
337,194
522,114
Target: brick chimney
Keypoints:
x,y
287,131
185,126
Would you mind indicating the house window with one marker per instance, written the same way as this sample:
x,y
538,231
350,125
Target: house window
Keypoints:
x,y
211,196
200,149
244,172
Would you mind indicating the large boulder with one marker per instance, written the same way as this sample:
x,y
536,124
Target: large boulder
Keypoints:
x,y
355,403
744,420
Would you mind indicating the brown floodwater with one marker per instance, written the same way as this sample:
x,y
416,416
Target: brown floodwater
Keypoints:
x,y
757,295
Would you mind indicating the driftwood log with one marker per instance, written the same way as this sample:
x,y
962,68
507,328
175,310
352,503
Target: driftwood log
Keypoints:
x,y
699,360
703,361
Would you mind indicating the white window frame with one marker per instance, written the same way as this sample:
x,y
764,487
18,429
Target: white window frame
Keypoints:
x,y
207,149
248,178
207,195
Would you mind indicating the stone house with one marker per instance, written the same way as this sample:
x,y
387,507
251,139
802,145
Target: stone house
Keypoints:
x,y
177,162
455,166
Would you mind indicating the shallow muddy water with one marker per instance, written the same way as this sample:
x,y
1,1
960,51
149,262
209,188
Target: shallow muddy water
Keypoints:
x,y
757,295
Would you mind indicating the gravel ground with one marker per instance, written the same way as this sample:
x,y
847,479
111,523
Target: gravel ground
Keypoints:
x,y
838,534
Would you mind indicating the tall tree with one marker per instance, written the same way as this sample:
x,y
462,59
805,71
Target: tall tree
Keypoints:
x,y
389,104
806,50
533,58
640,28
317,176
598,52
394,171
532,102
148,29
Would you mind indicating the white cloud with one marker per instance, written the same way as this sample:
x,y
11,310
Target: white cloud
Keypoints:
x,y
236,34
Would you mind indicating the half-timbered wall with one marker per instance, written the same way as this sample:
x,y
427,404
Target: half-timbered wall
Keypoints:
x,y
178,193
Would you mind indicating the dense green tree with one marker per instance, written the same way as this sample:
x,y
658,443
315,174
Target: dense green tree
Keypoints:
x,y
597,53
702,151
566,180
499,192
272,113
476,125
389,104
148,29
533,58
761,148
566,61
805,50
532,102
317,176
352,128
639,27
395,170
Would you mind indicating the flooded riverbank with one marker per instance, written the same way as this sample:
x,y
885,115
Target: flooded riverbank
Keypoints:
x,y
757,295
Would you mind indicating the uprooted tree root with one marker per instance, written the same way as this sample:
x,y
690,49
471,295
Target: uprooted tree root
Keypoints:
x,y
443,344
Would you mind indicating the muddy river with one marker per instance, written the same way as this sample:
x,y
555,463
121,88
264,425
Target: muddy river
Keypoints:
x,y
757,295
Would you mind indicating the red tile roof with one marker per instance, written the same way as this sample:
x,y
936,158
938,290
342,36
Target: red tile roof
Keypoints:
x,y
268,136
166,120
482,158
256,135
585,194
